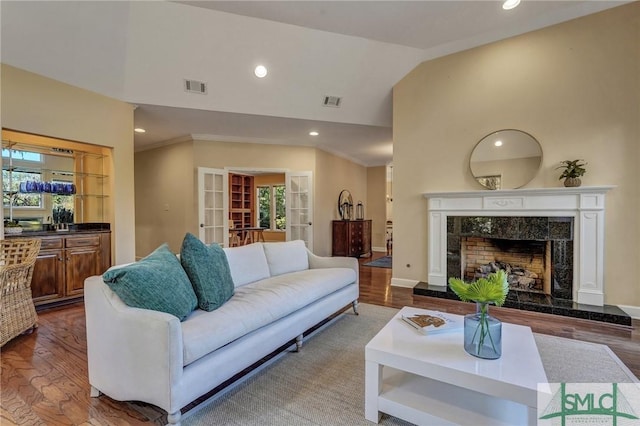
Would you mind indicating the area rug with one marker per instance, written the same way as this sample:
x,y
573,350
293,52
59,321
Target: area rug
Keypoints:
x,y
383,262
324,384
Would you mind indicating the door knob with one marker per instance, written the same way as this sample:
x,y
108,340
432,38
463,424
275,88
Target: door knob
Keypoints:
x,y
202,225
310,224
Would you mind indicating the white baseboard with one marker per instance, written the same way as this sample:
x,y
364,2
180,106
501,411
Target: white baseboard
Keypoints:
x,y
632,311
379,249
401,282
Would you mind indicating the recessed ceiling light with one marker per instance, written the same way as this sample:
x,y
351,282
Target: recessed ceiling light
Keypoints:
x,y
260,71
498,143
313,133
139,130
510,4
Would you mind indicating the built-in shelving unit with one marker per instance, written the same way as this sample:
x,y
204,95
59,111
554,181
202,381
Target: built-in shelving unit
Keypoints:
x,y
65,187
62,172
241,200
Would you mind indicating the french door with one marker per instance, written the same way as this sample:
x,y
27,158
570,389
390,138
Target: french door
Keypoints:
x,y
213,206
299,201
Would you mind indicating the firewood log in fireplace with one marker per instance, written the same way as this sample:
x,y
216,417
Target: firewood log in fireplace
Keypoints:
x,y
519,278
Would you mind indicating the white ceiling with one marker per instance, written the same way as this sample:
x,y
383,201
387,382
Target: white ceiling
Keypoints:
x,y
140,52
419,24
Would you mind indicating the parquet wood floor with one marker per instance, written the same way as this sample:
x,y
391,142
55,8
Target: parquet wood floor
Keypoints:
x,y
44,374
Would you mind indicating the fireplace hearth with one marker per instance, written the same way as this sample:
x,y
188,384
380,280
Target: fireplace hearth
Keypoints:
x,y
538,302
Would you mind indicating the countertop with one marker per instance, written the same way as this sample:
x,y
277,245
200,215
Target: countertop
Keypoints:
x,y
75,229
29,234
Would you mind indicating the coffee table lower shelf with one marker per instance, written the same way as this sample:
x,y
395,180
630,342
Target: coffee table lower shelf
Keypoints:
x,y
423,401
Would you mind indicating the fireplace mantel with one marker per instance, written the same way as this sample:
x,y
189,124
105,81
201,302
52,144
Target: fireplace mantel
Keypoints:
x,y
585,204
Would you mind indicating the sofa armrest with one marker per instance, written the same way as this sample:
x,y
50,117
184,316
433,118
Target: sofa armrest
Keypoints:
x,y
316,262
133,354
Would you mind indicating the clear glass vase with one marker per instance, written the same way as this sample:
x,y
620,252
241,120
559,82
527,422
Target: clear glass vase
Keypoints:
x,y
483,333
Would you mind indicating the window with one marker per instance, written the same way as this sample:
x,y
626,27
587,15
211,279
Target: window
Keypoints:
x,y
19,199
62,205
11,190
22,155
272,211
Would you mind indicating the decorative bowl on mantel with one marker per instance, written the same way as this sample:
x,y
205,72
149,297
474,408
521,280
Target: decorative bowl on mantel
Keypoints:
x,y
572,182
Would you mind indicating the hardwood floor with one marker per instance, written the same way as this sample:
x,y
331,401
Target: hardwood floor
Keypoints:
x,y
44,374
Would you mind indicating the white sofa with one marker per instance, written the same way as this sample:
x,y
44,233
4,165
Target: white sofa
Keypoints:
x,y
281,290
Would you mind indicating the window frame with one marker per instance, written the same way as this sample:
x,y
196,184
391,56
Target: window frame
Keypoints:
x,y
17,163
40,159
11,203
272,206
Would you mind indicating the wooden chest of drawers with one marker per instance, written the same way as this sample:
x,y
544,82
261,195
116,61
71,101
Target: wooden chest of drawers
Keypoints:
x,y
351,238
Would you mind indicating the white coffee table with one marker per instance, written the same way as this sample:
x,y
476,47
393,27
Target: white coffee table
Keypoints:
x,y
430,379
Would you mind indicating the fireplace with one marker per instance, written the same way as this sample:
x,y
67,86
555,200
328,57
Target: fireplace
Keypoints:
x,y
535,252
571,221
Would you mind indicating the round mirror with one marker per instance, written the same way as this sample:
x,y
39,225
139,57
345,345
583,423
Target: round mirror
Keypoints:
x,y
506,159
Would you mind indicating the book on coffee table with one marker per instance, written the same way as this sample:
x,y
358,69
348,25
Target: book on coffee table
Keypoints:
x,y
435,322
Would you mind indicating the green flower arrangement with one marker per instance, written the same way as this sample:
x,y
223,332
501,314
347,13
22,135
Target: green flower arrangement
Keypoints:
x,y
492,289
484,291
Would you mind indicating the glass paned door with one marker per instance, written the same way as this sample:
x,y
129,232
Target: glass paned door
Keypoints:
x,y
300,207
213,206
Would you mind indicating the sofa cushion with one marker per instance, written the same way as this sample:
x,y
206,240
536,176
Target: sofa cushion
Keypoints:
x,y
247,263
290,256
256,305
156,282
208,271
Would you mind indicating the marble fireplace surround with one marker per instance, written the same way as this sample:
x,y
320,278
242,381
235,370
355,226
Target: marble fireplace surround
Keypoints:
x,y
585,204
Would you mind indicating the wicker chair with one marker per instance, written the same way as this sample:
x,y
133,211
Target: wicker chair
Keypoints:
x,y
17,312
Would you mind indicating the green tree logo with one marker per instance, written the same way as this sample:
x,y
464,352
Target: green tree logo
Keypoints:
x,y
589,402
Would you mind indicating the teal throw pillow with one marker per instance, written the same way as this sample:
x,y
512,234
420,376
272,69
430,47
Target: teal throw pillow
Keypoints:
x,y
209,272
156,282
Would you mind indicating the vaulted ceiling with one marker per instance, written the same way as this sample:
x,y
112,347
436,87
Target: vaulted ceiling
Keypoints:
x,y
142,51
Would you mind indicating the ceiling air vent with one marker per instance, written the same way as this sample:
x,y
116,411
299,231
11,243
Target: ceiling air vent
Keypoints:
x,y
195,86
332,101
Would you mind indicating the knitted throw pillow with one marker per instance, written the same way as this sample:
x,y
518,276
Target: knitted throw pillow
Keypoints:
x,y
156,282
208,270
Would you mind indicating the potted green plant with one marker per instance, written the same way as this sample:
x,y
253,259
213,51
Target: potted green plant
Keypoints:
x,y
572,171
482,332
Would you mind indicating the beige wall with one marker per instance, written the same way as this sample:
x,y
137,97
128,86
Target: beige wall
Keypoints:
x,y
334,175
249,155
272,179
165,181
375,205
36,104
331,174
574,86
